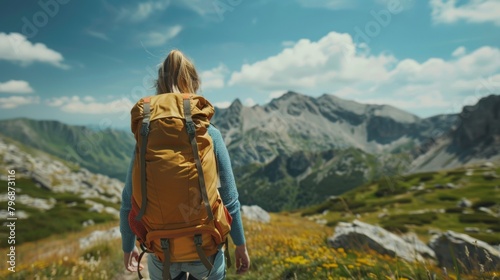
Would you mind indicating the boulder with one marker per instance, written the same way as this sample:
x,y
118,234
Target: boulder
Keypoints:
x,y
359,235
99,236
451,247
255,213
488,164
471,229
464,203
490,175
451,186
488,211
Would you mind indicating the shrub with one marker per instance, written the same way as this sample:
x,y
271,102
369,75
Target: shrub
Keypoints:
x,y
366,209
415,219
495,228
492,239
478,218
447,197
386,188
394,227
355,204
458,210
316,209
427,177
484,203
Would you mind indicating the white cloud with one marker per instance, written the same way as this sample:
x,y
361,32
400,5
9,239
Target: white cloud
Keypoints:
x,y
460,51
203,8
12,102
98,35
249,102
88,99
474,11
15,86
288,44
143,10
308,64
211,10
158,38
214,78
222,105
16,48
333,64
328,4
88,105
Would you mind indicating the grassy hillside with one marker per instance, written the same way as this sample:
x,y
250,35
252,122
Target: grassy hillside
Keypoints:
x,y
67,215
423,202
103,151
303,179
290,247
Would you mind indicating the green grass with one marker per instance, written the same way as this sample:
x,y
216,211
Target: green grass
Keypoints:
x,y
391,199
60,219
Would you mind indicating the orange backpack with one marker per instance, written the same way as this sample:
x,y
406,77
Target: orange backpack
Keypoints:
x,y
177,212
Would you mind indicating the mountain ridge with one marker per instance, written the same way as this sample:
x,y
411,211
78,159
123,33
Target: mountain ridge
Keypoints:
x,y
104,151
295,121
287,145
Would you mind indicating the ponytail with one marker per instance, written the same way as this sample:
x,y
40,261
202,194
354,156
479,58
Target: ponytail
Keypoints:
x,y
177,74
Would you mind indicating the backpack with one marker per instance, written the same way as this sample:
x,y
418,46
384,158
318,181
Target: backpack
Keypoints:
x,y
177,212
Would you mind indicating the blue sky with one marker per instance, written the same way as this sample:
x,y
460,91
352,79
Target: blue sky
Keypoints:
x,y
87,62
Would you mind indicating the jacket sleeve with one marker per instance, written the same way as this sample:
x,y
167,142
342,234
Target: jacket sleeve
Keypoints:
x,y
128,237
228,191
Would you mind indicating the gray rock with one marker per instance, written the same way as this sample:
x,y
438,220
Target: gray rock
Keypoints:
x,y
471,229
321,221
99,236
382,215
464,203
358,235
88,223
451,186
488,164
488,211
433,232
451,247
417,188
41,180
255,213
490,175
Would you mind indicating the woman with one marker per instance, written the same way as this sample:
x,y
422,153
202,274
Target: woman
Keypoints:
x,y
178,75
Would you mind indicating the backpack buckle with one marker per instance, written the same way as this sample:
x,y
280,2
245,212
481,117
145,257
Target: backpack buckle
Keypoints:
x,y
191,128
165,244
145,129
198,241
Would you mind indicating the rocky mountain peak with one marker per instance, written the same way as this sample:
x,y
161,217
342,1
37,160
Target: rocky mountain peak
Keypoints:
x,y
236,104
295,122
479,123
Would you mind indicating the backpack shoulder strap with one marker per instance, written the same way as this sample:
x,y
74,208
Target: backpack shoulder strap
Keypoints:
x,y
191,129
144,135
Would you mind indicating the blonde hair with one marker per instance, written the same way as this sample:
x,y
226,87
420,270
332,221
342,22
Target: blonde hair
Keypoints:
x,y
177,74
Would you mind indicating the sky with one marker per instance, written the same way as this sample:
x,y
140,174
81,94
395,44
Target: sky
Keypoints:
x,y
88,62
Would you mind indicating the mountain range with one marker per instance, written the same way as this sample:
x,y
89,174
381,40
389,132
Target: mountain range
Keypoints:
x,y
100,151
296,150
296,122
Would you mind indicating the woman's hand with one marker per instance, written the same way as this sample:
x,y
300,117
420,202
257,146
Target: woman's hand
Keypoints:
x,y
242,259
130,260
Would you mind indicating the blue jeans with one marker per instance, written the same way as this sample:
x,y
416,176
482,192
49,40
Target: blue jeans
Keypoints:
x,y
196,268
